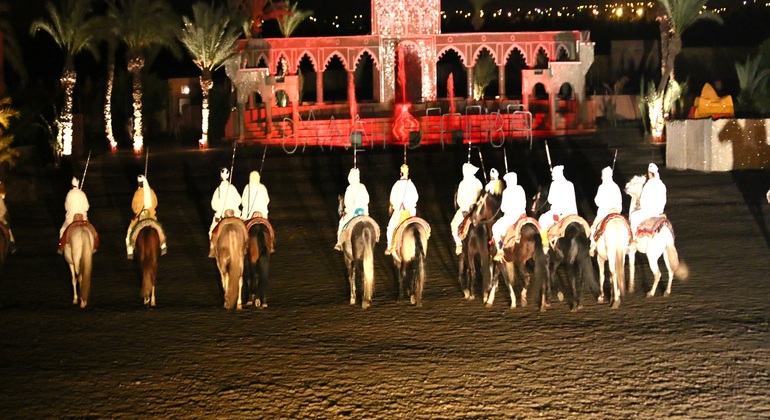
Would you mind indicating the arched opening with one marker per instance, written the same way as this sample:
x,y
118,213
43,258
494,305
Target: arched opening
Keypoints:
x,y
307,80
335,81
539,106
562,54
363,78
541,60
412,72
566,107
513,67
451,63
485,75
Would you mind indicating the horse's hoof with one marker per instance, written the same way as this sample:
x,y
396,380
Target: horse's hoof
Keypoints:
x,y
523,303
412,299
264,305
488,305
257,303
466,294
600,299
364,304
650,294
352,301
616,304
666,294
75,301
560,296
239,307
83,305
471,297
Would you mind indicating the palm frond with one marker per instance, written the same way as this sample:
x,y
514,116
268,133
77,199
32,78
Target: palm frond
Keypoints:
x,y
210,37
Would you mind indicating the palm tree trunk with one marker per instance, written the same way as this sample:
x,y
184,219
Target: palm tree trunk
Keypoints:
x,y
135,66
206,84
108,98
64,137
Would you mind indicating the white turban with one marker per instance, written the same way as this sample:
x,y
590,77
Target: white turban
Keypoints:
x,y
607,173
652,168
405,170
354,176
146,190
557,172
469,170
224,174
493,174
75,182
510,179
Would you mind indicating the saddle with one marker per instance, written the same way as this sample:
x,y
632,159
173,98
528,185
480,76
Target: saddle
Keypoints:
x,y
78,222
258,220
556,231
462,230
603,225
399,231
347,229
513,234
141,224
653,225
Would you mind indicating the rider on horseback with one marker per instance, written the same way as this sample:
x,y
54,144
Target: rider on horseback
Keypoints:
x,y
76,202
467,194
608,200
4,218
143,204
495,185
561,197
254,198
652,200
403,203
225,198
513,206
356,202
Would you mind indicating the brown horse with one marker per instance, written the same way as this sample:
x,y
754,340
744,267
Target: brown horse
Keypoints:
x,y
147,251
477,246
517,254
257,267
229,250
79,246
410,246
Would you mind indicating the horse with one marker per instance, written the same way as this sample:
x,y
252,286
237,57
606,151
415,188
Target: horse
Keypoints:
x,y
569,249
522,244
477,247
358,237
80,242
613,235
229,251
257,260
654,237
410,246
147,252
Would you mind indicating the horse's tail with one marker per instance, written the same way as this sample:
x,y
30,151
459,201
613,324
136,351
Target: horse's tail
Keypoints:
x,y
536,289
234,265
582,244
419,266
620,262
83,257
148,245
681,271
367,234
253,245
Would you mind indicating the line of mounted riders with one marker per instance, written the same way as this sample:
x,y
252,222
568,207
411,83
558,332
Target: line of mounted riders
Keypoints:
x,y
494,233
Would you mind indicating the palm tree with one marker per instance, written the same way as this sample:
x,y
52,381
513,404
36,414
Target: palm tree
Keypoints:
x,y
674,17
143,26
7,154
210,38
478,13
11,51
484,73
75,30
288,23
256,12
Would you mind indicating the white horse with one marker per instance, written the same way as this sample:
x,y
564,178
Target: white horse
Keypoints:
x,y
78,251
611,248
654,243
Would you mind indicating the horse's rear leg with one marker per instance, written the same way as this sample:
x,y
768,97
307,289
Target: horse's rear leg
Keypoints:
x,y
352,279
631,268
653,261
601,262
74,285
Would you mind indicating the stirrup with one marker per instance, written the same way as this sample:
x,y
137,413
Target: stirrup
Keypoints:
x,y
338,247
387,251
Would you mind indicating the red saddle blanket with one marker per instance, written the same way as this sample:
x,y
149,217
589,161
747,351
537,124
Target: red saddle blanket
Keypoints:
x,y
603,225
513,234
557,231
141,224
262,221
462,230
399,231
347,230
653,225
86,223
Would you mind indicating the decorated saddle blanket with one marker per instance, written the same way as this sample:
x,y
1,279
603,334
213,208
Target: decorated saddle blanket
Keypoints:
x,y
143,223
232,220
653,225
262,221
465,225
513,234
557,231
5,229
347,230
603,225
79,222
399,231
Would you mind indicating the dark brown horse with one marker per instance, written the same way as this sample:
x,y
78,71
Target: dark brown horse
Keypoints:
x,y
523,245
146,253
410,246
257,267
477,245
